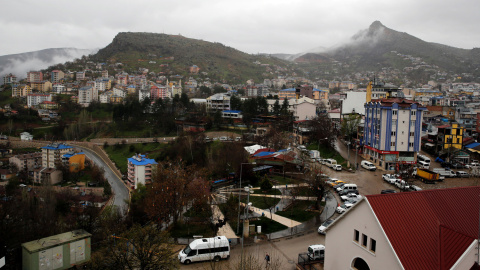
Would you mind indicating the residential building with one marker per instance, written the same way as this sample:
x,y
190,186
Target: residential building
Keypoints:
x,y
34,76
41,86
158,91
10,79
466,117
47,175
142,94
321,94
392,131
287,93
408,230
58,88
379,90
140,170
232,114
57,76
75,161
52,154
21,90
119,92
6,174
25,136
303,110
452,135
100,85
86,95
34,100
80,76
218,102
27,162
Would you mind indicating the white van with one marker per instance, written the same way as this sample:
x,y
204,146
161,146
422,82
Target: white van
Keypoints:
x,y
425,160
205,249
349,187
423,164
316,252
330,162
368,165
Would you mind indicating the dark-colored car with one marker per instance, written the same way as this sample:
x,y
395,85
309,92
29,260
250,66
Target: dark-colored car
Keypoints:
x,y
446,165
387,191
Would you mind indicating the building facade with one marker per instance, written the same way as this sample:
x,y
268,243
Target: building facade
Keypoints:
x,y
140,170
52,154
392,131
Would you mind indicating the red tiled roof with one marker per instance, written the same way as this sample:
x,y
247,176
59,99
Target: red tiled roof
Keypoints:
x,y
429,229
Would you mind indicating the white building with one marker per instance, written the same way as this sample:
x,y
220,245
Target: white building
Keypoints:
x,y
58,88
140,170
219,101
52,154
86,95
408,230
34,100
119,92
25,136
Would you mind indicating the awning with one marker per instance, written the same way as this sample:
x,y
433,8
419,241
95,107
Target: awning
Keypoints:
x,y
429,144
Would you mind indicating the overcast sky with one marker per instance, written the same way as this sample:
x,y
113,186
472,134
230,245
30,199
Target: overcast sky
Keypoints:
x,y
252,26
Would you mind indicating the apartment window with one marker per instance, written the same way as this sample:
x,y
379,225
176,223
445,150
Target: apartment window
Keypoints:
x,y
393,133
394,123
356,235
364,240
410,144
394,112
412,123
392,144
412,134
413,112
373,245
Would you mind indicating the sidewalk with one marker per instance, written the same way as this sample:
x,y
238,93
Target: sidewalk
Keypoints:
x,y
226,229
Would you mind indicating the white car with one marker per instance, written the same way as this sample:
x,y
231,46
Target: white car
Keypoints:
x,y
402,185
323,227
337,167
350,196
342,208
390,178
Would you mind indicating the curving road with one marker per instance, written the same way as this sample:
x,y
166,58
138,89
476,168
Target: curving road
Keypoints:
x,y
121,194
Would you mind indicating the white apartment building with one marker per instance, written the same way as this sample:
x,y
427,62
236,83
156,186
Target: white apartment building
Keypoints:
x,y
36,99
218,102
86,95
140,170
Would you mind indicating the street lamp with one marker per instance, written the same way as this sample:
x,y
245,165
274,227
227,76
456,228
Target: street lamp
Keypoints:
x,y
245,217
240,194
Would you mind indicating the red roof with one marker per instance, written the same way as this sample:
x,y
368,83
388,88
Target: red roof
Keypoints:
x,y
429,229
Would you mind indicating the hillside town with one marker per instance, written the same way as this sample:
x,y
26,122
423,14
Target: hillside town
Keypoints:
x,y
368,174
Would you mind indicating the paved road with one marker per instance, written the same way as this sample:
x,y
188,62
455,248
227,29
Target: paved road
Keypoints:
x,y
122,195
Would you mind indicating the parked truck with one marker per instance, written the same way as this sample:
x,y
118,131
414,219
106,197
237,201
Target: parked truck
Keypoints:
x,y
314,155
428,176
445,172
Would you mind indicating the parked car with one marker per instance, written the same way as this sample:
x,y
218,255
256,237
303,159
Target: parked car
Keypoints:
x,y
338,187
402,185
345,192
324,226
446,164
387,191
336,182
350,196
457,165
462,174
414,188
390,178
342,208
368,165
337,167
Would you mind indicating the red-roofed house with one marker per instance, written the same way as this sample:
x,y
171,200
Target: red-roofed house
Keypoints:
x,y
431,229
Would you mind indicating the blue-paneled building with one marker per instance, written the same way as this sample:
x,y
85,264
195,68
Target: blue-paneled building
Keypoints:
x,y
392,131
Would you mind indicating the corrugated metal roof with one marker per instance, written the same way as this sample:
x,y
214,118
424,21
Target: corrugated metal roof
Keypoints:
x,y
429,229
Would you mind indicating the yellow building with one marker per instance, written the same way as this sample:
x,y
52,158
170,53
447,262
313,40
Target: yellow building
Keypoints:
x,y
453,136
43,86
320,94
76,161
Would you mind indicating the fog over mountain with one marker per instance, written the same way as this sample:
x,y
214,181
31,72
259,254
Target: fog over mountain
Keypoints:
x,y
20,64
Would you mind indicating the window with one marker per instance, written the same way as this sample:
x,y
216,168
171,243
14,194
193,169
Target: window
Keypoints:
x,y
364,240
412,134
356,235
392,144
394,123
413,112
410,144
412,123
373,245
393,133
394,112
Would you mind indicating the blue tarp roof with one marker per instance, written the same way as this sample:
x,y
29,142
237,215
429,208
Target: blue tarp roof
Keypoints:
x,y
231,111
57,147
74,154
315,89
288,89
143,161
472,145
261,154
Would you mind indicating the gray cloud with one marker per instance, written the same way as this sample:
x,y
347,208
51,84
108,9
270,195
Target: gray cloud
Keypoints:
x,y
271,26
